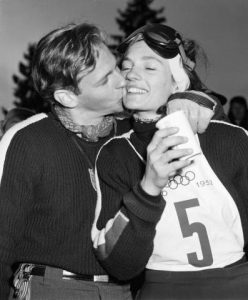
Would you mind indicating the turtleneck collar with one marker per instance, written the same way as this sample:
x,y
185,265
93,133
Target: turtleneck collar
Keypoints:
x,y
144,130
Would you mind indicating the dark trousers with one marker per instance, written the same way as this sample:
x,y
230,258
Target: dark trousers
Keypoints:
x,y
222,283
52,286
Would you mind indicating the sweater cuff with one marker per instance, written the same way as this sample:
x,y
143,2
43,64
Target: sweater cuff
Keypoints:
x,y
146,207
203,100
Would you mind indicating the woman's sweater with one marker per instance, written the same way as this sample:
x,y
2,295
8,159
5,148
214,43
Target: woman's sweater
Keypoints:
x,y
123,239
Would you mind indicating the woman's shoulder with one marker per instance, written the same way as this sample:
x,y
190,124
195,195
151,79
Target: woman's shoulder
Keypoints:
x,y
116,156
116,146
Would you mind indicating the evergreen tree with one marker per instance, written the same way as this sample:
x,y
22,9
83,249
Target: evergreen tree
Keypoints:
x,y
137,14
25,94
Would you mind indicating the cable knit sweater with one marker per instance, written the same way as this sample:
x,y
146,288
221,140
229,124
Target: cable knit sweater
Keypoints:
x,y
47,198
122,241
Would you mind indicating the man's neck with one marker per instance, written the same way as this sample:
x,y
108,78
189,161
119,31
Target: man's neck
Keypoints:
x,y
83,117
91,129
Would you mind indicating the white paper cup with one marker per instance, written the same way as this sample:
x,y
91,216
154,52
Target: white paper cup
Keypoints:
x,y
178,119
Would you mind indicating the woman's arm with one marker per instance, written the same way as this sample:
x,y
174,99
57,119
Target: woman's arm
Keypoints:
x,y
130,204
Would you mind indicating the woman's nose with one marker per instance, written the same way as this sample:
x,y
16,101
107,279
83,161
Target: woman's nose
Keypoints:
x,y
132,74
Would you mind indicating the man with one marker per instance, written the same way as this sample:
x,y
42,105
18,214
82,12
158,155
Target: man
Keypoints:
x,y
47,187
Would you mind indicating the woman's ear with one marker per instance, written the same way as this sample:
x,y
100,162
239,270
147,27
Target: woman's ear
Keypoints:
x,y
65,98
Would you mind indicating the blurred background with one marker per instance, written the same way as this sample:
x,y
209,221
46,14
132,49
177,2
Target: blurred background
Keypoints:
x,y
219,26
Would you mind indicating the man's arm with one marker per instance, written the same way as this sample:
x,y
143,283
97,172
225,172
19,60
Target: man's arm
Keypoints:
x,y
198,106
15,185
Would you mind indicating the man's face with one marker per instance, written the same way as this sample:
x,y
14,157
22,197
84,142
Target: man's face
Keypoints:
x,y
102,89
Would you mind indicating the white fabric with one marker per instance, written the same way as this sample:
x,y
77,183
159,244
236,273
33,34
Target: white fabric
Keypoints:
x,y
208,217
179,74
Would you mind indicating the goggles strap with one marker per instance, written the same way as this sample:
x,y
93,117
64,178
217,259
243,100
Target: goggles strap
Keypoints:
x,y
188,62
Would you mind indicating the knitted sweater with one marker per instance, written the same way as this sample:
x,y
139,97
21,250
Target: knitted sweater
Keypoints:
x,y
47,198
124,250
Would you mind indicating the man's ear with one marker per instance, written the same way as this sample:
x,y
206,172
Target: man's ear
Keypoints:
x,y
65,98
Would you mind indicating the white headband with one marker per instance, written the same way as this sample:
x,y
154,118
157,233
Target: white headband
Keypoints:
x,y
179,74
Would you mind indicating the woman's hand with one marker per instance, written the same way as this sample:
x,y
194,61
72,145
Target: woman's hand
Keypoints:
x,y
163,160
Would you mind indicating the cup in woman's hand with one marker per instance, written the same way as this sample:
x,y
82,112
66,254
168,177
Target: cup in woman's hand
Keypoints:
x,y
179,120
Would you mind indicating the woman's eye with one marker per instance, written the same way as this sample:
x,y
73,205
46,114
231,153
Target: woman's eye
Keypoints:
x,y
150,68
125,68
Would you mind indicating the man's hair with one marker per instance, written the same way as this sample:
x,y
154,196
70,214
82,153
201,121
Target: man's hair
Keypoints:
x,y
64,56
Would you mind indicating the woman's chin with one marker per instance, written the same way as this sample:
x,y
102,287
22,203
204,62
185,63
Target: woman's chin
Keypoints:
x,y
130,105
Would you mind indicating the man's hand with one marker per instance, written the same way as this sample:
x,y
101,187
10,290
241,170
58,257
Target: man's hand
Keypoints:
x,y
163,160
198,115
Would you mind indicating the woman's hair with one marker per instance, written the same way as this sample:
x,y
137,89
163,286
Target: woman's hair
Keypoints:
x,y
196,54
64,56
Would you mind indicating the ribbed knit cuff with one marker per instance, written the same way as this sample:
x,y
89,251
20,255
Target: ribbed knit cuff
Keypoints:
x,y
146,207
194,97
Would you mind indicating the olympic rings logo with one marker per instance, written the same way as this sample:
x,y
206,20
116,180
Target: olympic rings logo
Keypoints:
x,y
178,179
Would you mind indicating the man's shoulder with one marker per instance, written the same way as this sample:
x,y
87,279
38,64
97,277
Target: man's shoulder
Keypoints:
x,y
23,126
32,130
18,140
27,122
226,129
222,136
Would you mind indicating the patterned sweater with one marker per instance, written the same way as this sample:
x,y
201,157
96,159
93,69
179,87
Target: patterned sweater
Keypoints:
x,y
123,241
47,199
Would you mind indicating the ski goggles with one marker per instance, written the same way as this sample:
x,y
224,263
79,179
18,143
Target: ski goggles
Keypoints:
x,y
162,39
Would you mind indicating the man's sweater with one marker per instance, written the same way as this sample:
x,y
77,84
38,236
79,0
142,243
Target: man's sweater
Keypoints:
x,y
47,198
123,241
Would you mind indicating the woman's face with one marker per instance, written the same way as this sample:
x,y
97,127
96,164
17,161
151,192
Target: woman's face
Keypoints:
x,y
148,77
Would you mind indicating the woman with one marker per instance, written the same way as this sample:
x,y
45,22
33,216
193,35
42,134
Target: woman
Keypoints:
x,y
201,238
